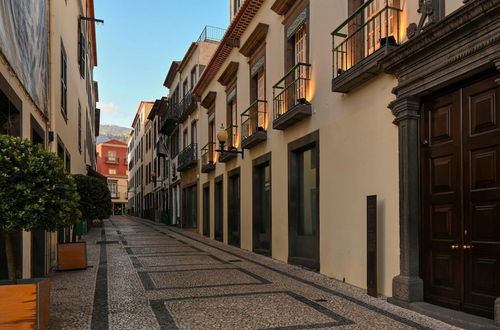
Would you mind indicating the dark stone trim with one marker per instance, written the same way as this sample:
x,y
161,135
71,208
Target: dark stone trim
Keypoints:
x,y
226,156
408,286
292,116
149,284
255,40
353,300
100,307
254,139
207,168
209,100
164,317
360,72
138,264
460,46
228,74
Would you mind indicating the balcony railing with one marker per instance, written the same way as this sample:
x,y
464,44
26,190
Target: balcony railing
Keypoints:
x,y
211,33
112,160
254,124
367,30
115,195
232,143
208,157
188,158
187,106
170,119
292,93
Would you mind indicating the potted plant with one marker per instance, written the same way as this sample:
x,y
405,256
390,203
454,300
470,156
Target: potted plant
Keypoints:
x,y
95,203
36,193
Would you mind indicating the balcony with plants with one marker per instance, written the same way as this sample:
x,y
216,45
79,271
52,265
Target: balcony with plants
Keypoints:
x,y
360,42
188,158
208,158
254,124
291,97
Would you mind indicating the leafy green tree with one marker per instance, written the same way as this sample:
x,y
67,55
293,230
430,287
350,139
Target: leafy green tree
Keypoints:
x,y
95,197
36,192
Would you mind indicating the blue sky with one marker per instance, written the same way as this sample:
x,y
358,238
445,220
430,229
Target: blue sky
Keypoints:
x,y
137,44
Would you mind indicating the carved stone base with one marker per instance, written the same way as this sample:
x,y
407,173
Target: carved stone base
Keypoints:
x,y
497,312
408,289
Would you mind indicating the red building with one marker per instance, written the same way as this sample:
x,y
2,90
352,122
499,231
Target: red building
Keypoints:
x,y
112,162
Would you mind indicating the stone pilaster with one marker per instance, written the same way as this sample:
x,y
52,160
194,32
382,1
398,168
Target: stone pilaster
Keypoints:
x,y
497,312
408,286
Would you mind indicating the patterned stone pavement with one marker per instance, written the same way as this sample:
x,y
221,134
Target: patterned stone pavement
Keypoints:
x,y
149,276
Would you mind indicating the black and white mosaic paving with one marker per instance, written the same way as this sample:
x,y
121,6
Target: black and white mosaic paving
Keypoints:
x,y
158,277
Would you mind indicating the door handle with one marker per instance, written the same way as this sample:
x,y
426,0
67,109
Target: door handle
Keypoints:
x,y
467,247
455,246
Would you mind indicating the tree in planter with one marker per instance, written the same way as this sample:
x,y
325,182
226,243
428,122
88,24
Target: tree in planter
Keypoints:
x,y
36,192
95,197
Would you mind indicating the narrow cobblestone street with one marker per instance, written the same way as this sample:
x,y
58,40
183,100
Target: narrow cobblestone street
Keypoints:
x,y
148,276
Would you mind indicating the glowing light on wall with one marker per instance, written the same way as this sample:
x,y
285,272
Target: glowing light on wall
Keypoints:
x,y
311,87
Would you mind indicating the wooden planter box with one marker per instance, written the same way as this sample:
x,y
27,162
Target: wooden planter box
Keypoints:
x,y
72,256
25,305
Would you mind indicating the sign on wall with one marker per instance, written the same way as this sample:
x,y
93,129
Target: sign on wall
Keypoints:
x,y
24,43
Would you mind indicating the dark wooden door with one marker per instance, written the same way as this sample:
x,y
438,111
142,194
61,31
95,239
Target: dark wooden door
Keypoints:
x,y
304,207
262,209
38,256
206,211
190,207
481,150
219,231
461,198
233,215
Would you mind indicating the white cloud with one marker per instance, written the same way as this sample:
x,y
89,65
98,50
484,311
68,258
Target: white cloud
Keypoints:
x,y
109,107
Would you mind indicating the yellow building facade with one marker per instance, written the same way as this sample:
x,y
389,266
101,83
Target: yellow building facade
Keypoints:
x,y
53,102
307,108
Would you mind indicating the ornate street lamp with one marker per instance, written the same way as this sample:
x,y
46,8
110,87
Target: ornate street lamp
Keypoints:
x,y
222,136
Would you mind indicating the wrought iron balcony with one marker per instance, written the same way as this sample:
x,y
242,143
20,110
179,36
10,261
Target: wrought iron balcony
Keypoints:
x,y
188,158
112,160
208,157
187,106
170,119
232,144
361,40
211,33
290,97
254,124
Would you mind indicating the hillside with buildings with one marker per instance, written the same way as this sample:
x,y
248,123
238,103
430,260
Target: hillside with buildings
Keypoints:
x,y
108,132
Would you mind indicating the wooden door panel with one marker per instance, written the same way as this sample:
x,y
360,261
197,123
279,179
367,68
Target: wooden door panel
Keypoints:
x,y
442,170
485,168
481,150
441,124
484,114
441,200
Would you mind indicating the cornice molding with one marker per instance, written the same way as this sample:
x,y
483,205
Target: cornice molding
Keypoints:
x,y
256,38
281,7
229,73
464,43
209,100
435,33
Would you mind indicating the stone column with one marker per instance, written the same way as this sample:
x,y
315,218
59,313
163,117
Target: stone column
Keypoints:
x,y
408,286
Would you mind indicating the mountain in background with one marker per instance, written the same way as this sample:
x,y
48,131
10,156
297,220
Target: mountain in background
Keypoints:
x,y
108,132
